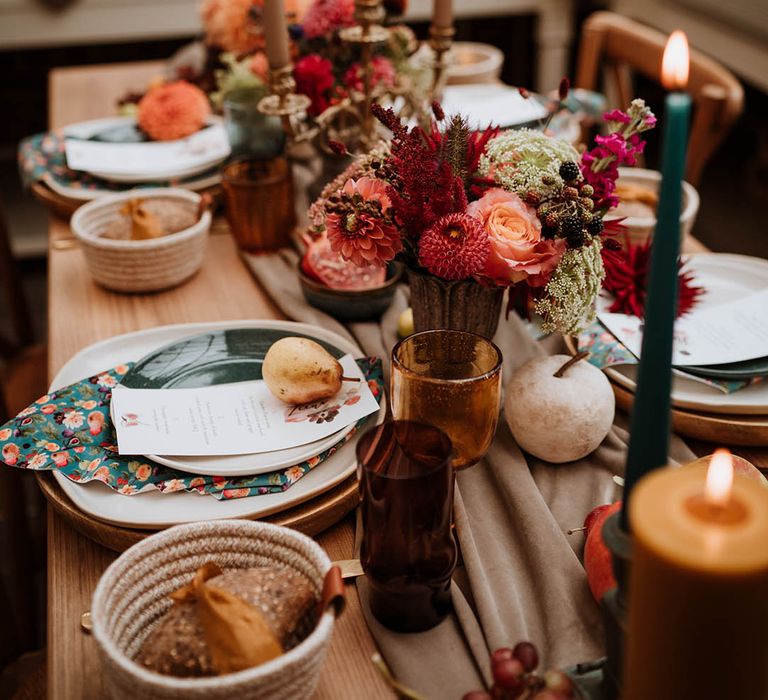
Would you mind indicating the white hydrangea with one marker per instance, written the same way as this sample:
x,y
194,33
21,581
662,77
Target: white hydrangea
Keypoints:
x,y
518,160
568,304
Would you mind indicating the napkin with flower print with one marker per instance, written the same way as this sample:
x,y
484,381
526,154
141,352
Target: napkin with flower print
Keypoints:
x,y
70,430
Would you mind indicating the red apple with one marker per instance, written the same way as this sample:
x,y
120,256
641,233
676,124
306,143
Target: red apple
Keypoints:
x,y
740,466
597,557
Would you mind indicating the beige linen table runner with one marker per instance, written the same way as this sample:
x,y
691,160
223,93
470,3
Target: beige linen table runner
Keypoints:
x,y
522,577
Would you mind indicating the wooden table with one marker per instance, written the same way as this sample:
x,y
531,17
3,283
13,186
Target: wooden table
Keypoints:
x,y
80,313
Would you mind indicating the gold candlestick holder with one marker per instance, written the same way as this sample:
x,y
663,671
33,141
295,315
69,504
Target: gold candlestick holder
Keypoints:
x,y
284,102
349,120
440,40
367,33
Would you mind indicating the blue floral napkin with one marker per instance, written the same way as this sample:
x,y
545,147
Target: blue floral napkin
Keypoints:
x,y
71,430
42,157
606,350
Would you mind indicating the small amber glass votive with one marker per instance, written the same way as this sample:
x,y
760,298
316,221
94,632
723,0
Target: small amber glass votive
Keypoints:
x,y
258,195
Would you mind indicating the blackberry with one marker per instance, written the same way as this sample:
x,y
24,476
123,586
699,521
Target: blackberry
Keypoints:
x,y
549,231
569,171
595,227
571,225
551,220
577,240
532,197
570,193
587,190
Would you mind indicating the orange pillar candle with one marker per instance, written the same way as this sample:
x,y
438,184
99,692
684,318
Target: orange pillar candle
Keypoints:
x,y
698,590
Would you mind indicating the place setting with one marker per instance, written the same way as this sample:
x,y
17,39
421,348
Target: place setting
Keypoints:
x,y
372,375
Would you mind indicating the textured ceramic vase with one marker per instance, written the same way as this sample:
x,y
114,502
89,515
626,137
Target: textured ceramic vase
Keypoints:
x,y
464,305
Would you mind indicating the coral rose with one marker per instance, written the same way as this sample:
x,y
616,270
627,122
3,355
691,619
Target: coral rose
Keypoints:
x,y
173,111
518,252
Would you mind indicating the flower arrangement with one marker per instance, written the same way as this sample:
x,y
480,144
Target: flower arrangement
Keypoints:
x,y
325,69
517,209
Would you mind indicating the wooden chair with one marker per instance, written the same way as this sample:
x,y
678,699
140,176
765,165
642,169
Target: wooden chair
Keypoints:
x,y
623,46
22,379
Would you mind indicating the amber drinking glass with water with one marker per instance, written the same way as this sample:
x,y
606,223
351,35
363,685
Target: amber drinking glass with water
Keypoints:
x,y
452,380
406,502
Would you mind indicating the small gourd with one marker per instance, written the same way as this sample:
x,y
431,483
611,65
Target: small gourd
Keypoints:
x,y
558,408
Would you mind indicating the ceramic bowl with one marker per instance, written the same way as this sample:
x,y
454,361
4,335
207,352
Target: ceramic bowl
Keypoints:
x,y
640,228
351,305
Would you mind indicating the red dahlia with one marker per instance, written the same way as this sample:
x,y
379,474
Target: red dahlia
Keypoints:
x,y
454,247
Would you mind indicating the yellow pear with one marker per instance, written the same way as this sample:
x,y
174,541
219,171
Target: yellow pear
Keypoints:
x,y
299,370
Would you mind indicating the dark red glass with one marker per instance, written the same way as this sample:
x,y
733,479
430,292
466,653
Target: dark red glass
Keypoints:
x,y
408,551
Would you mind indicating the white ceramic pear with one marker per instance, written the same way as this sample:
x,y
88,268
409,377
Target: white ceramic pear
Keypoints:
x,y
559,418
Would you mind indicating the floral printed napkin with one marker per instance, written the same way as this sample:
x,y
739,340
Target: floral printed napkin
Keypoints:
x,y
71,430
606,350
42,157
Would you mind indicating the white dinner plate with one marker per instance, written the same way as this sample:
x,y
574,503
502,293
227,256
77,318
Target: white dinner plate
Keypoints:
x,y
153,509
197,161
726,277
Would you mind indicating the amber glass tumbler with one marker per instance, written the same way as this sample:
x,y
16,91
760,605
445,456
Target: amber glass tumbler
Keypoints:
x,y
406,500
452,380
258,195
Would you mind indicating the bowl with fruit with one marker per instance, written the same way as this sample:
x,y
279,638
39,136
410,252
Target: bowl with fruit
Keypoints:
x,y
342,289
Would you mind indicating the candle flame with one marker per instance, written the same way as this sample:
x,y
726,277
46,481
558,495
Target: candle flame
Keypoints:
x,y
719,478
676,62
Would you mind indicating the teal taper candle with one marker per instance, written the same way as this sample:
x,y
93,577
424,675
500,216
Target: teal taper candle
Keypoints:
x,y
650,423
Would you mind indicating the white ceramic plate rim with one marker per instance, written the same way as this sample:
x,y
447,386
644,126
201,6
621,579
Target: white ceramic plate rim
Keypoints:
x,y
84,130
155,510
86,195
691,395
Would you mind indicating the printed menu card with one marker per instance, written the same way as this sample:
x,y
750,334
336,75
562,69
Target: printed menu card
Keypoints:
x,y
229,419
715,335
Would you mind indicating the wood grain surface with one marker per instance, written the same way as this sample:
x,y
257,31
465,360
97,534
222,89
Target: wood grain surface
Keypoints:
x,y
81,313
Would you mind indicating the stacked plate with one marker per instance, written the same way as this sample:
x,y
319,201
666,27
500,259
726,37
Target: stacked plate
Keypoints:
x,y
103,155
195,355
700,409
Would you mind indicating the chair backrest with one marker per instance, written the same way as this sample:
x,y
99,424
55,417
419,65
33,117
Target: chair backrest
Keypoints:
x,y
12,295
622,46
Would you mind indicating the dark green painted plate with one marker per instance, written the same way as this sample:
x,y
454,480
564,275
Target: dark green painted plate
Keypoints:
x,y
733,371
217,357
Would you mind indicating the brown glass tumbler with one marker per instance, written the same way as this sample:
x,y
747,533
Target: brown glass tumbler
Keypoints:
x,y
408,551
258,195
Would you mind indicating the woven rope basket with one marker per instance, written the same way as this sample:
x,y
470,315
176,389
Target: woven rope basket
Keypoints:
x,y
140,266
133,594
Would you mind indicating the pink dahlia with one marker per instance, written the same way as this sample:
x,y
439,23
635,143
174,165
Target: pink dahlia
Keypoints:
x,y
360,224
325,16
454,247
382,72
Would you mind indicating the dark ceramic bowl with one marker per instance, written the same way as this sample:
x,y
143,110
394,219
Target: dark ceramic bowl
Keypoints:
x,y
346,305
